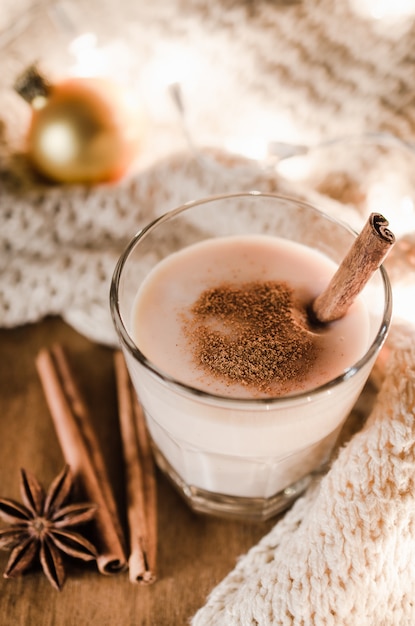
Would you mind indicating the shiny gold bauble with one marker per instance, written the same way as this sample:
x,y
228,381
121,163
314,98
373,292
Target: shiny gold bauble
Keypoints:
x,y
84,130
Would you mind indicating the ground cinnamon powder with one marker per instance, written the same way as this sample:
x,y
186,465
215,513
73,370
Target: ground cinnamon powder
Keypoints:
x,y
254,334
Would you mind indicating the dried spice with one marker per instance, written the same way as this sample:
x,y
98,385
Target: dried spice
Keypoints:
x,y
81,449
41,527
254,334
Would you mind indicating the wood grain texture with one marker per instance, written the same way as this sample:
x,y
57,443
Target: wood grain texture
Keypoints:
x,y
194,552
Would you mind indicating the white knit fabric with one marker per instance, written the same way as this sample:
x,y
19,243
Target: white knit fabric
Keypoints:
x,y
344,555
59,246
251,73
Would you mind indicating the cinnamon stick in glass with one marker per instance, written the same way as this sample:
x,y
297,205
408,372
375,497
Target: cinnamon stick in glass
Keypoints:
x,y
82,452
140,479
367,253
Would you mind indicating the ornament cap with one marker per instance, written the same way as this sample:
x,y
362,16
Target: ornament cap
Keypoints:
x,y
31,84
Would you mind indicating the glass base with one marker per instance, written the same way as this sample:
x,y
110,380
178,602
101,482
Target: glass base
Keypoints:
x,y
232,507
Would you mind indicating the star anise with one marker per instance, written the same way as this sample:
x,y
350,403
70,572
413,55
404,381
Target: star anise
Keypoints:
x,y
39,527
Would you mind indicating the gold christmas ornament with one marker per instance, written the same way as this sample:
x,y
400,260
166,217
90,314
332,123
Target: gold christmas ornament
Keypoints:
x,y
82,129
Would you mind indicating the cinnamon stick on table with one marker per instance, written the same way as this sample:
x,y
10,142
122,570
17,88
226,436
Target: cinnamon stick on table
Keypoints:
x,y
364,257
140,478
82,452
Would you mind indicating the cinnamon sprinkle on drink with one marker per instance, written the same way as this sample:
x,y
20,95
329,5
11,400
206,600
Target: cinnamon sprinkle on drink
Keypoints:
x,y
254,334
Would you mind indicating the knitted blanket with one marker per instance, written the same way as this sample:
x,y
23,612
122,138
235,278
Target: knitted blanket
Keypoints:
x,y
345,553
60,246
337,86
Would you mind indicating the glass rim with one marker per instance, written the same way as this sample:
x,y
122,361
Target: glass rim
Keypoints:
x,y
187,389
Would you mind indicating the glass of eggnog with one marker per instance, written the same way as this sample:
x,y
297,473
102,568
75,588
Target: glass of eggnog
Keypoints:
x,y
243,395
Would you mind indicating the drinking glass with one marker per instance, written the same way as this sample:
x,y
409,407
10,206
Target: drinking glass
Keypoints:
x,y
241,458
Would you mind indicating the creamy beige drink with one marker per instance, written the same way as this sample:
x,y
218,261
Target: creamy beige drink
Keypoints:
x,y
229,316
243,398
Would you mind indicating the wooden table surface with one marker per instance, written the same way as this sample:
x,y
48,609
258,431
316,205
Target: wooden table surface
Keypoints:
x,y
194,552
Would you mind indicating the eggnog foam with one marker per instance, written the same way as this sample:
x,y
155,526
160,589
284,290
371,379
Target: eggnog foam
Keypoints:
x,y
171,331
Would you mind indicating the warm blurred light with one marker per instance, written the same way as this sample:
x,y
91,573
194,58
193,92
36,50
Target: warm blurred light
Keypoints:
x,y
252,139
39,102
384,9
388,198
172,64
92,60
295,168
403,303
251,147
